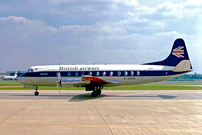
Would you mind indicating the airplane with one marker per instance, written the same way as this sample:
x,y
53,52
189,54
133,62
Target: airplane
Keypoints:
x,y
11,77
95,77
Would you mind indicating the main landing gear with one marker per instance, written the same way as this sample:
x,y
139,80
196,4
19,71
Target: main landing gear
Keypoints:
x,y
97,91
36,93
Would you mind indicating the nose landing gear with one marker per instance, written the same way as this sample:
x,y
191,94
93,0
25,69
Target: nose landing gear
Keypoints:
x,y
36,93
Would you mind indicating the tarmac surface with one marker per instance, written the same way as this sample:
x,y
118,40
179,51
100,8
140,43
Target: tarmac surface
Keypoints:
x,y
112,113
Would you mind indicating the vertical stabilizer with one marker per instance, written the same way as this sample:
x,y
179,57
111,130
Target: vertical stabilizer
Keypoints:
x,y
178,55
16,74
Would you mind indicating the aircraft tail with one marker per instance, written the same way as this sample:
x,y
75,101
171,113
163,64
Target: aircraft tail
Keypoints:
x,y
178,57
16,74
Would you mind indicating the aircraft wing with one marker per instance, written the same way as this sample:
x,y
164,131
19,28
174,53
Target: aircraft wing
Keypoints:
x,y
100,80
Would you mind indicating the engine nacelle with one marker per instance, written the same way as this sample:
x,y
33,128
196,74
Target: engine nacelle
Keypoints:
x,y
73,82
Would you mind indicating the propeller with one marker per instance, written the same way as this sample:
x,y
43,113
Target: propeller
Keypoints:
x,y
58,82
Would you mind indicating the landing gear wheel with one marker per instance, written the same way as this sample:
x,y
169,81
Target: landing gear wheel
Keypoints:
x,y
98,92
36,93
94,94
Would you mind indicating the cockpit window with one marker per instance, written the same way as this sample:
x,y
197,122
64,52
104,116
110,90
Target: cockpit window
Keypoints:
x,y
30,70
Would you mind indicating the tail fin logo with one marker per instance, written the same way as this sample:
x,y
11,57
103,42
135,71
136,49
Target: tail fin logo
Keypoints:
x,y
178,52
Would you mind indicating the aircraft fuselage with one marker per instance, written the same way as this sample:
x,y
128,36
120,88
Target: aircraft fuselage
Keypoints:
x,y
127,74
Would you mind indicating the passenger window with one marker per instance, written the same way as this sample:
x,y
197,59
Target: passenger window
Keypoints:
x,y
69,73
131,73
111,73
104,73
97,73
125,73
138,73
76,73
82,73
119,73
90,73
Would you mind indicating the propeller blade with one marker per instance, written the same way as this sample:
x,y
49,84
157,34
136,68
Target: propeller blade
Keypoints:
x,y
58,81
59,76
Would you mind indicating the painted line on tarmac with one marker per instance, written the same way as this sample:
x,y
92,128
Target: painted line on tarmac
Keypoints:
x,y
103,126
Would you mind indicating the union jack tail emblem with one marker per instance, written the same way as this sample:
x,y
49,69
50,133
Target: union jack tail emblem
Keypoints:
x,y
178,52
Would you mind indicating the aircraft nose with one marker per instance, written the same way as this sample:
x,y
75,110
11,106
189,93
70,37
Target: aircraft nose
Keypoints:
x,y
19,80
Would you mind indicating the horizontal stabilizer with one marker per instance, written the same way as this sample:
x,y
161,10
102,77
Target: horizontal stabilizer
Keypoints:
x,y
184,65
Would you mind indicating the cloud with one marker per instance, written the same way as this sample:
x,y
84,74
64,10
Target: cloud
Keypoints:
x,y
170,9
193,3
4,8
102,31
14,19
113,36
20,28
98,28
130,2
79,8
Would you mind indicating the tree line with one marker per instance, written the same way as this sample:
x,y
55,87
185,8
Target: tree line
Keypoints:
x,y
189,77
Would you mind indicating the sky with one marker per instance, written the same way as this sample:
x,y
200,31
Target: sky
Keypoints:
x,y
49,32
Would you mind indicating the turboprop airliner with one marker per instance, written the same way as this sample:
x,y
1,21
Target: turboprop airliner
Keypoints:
x,y
95,77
